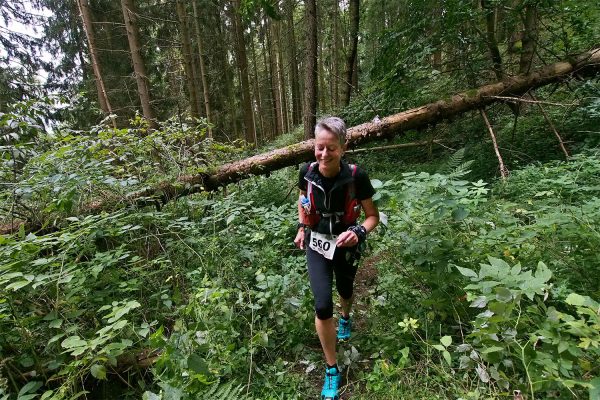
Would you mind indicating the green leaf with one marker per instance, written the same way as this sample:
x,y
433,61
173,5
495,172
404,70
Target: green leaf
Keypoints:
x,y
197,364
575,299
501,265
29,387
98,371
543,273
491,349
446,341
503,294
73,341
376,183
439,347
466,272
27,397
460,213
595,389
562,346
479,302
56,323
447,357
17,285
151,396
47,394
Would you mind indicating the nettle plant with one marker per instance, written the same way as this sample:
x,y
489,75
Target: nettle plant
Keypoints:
x,y
520,339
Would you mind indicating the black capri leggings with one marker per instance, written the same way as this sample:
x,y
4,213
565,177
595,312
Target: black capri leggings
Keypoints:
x,y
320,273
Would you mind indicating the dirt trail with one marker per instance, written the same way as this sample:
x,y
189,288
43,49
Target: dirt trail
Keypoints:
x,y
366,280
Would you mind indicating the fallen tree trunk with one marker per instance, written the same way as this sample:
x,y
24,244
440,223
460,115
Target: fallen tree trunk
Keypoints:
x,y
585,64
397,146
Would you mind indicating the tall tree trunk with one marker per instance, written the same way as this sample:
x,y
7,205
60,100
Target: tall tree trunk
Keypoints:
x,y
322,94
435,25
492,43
530,36
336,53
351,60
310,71
275,85
269,74
202,68
187,59
242,61
292,59
88,28
282,78
256,85
139,68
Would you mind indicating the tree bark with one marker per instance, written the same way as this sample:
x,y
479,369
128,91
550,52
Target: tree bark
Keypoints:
x,y
187,59
310,71
271,125
256,85
139,68
88,28
282,77
491,41
530,36
274,76
335,55
292,59
242,61
351,61
202,69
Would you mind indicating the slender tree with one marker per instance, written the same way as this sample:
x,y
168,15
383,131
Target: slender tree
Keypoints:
x,y
530,37
274,76
335,79
310,70
292,59
351,60
88,28
491,41
133,37
202,68
242,62
282,77
258,98
187,59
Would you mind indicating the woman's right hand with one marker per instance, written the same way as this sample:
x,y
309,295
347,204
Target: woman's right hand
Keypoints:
x,y
299,240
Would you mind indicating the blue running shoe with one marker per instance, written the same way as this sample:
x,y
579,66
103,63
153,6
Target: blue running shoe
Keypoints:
x,y
344,329
332,382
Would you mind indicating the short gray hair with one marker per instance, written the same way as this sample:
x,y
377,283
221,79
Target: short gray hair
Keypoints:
x,y
335,125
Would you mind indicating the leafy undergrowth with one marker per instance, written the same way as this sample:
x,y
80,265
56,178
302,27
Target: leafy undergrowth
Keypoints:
x,y
473,290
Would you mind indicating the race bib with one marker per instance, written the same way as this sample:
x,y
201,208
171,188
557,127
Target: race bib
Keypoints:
x,y
323,244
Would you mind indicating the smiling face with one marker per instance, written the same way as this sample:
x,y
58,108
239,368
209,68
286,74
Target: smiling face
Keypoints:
x,y
328,152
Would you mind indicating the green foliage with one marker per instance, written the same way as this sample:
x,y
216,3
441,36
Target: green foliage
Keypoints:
x,y
480,288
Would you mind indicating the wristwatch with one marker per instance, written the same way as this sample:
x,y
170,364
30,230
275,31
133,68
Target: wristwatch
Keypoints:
x,y
301,225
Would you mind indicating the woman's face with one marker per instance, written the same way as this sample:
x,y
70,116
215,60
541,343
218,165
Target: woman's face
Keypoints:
x,y
328,150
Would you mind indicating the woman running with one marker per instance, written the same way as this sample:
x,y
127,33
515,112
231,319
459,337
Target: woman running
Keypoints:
x,y
332,193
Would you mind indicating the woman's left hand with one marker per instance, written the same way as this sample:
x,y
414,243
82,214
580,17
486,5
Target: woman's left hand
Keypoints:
x,y
347,239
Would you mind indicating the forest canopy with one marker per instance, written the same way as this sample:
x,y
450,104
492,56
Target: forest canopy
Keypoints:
x,y
148,155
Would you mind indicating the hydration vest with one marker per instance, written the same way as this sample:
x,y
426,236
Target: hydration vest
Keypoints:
x,y
320,202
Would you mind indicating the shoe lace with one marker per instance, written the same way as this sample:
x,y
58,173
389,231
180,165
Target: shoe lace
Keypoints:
x,y
329,378
344,325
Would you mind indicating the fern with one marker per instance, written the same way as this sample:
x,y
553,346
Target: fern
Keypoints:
x,y
455,167
225,391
